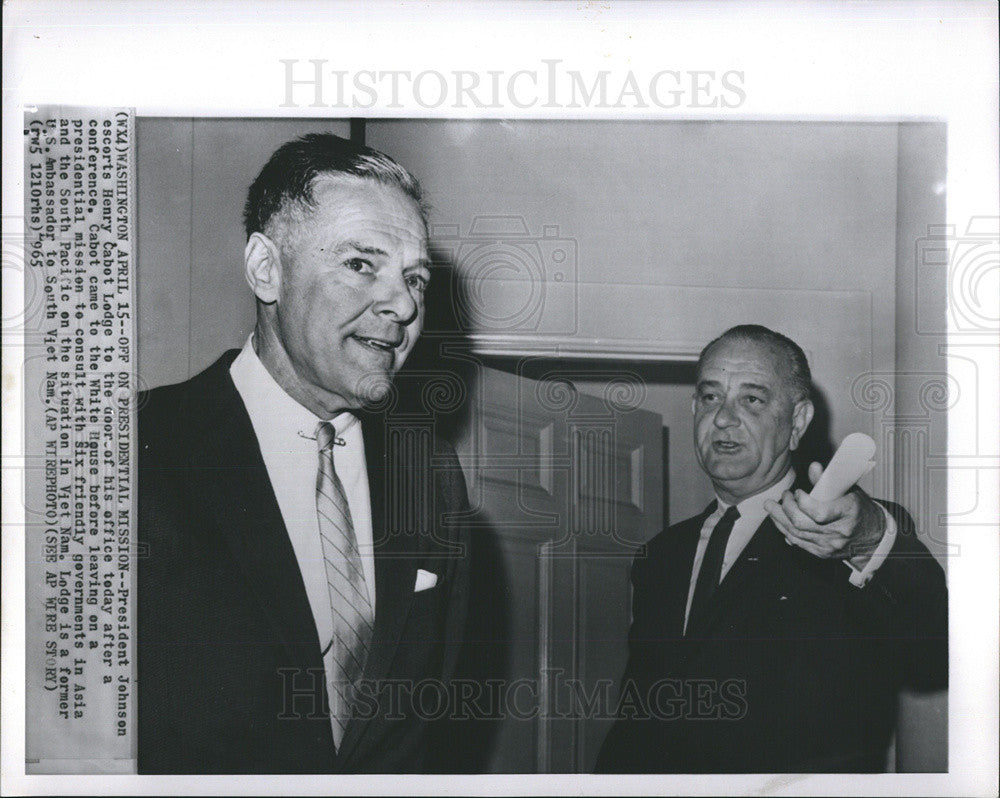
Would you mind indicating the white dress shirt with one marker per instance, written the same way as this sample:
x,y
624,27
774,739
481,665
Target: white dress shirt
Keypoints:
x,y
752,515
286,435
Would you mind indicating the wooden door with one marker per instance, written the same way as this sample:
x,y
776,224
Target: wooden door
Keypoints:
x,y
565,487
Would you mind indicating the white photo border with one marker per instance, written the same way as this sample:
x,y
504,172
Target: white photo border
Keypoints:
x,y
819,60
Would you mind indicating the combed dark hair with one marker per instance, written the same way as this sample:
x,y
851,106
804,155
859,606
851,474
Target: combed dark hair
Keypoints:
x,y
288,177
795,358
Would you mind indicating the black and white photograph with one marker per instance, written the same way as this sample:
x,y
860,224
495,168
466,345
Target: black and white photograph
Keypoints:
x,y
549,424
568,468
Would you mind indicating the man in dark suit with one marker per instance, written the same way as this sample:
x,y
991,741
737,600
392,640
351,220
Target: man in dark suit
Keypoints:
x,y
770,633
302,585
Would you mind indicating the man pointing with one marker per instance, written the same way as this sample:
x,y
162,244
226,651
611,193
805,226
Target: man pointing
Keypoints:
x,y
771,632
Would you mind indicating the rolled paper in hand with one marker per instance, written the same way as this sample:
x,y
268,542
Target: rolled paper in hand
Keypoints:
x,y
851,462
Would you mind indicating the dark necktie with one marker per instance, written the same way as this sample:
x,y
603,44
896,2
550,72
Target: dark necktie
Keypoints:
x,y
711,565
351,607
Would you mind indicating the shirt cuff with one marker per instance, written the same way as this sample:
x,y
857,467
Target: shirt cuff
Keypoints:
x,y
860,578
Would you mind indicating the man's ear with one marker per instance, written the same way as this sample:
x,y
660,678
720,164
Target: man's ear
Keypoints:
x,y
802,415
262,267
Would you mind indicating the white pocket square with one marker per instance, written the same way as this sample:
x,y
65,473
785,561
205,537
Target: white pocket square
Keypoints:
x,y
425,580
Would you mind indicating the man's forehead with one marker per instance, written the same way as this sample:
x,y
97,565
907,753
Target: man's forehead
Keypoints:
x,y
744,361
363,207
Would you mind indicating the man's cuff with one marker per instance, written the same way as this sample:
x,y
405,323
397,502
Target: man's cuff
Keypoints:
x,y
861,577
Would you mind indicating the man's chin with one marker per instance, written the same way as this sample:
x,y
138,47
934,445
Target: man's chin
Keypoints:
x,y
726,469
730,478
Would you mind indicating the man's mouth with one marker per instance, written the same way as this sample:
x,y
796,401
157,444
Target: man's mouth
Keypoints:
x,y
726,447
378,344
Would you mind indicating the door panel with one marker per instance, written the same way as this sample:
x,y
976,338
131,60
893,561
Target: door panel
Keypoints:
x,y
565,486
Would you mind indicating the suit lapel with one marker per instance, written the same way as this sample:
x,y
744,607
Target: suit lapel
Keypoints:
x,y
230,475
679,569
396,559
767,542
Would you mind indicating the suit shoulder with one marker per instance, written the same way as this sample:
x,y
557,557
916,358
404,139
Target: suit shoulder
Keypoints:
x,y
163,413
163,401
660,548
166,412
665,539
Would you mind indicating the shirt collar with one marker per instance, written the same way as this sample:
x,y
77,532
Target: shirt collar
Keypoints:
x,y
752,507
269,405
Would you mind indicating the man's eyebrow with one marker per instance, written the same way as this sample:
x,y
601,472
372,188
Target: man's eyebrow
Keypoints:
x,y
364,249
423,263
752,386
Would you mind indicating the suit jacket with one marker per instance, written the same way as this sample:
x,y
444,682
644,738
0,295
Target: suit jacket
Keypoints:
x,y
230,674
792,669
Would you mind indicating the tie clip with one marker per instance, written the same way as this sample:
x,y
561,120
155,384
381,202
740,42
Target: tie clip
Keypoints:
x,y
338,441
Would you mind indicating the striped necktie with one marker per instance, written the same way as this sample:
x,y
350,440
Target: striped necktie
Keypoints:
x,y
350,605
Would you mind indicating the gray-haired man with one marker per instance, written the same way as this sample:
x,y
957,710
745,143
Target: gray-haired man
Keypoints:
x,y
282,621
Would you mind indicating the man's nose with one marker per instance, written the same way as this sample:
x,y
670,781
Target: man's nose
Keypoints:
x,y
395,300
726,416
